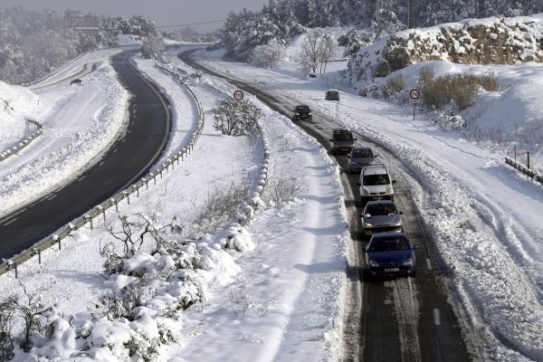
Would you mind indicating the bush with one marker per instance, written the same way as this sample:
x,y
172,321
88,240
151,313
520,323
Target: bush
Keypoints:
x,y
393,86
220,207
269,55
235,117
459,89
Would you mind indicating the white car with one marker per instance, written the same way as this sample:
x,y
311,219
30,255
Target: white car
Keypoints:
x,y
375,183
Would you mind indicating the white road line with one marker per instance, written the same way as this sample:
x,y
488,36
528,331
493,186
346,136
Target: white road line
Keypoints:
x,y
428,264
51,197
437,320
81,178
11,221
101,163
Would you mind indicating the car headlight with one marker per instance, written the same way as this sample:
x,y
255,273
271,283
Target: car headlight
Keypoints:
x,y
373,263
309,114
364,191
408,262
397,222
367,224
297,113
388,190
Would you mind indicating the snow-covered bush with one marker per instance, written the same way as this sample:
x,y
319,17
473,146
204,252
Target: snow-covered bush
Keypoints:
x,y
269,55
238,238
235,118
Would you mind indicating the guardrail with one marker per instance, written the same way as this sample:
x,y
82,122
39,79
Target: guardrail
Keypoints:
x,y
244,217
100,210
248,209
524,169
22,144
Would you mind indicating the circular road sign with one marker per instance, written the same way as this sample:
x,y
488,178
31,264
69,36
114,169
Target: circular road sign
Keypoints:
x,y
414,94
238,95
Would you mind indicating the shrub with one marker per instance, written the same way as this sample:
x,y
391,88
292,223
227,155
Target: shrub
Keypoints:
x,y
459,89
393,86
219,207
235,117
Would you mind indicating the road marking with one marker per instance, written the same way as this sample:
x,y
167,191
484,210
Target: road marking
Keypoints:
x,y
437,320
428,264
11,221
81,178
101,163
51,197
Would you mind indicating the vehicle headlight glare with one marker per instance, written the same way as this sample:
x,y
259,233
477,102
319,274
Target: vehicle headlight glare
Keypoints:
x,y
374,264
408,262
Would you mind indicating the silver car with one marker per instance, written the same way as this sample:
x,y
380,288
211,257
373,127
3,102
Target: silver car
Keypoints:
x,y
360,157
381,216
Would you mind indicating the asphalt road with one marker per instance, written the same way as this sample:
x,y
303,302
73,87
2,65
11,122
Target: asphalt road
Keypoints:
x,y
404,319
127,160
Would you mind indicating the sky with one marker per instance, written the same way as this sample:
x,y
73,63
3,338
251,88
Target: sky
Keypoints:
x,y
483,214
162,12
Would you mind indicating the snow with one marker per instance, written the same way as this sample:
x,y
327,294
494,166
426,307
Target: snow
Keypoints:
x,y
273,290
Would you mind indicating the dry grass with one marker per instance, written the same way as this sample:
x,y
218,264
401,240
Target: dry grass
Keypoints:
x,y
459,89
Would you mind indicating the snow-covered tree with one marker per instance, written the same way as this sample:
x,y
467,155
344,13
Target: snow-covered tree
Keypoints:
x,y
269,55
235,118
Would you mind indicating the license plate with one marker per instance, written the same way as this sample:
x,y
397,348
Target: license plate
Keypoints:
x,y
392,270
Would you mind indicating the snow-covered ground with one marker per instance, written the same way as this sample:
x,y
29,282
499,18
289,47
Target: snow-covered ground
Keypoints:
x,y
280,297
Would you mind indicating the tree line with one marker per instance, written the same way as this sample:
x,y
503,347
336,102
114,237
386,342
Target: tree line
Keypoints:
x,y
282,20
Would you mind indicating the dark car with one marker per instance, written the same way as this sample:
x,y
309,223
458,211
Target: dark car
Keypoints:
x,y
360,157
302,112
381,216
342,141
331,95
390,254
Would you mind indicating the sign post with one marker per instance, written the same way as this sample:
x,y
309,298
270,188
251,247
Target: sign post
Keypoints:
x,y
238,95
414,98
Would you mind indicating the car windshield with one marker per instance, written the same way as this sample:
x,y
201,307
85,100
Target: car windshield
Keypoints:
x,y
372,180
343,137
302,109
362,153
378,210
389,244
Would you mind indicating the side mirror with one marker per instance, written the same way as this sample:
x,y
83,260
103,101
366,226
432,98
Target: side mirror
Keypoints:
x,y
358,183
393,181
400,212
356,139
331,140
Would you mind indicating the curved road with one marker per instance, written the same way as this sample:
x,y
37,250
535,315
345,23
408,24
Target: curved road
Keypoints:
x,y
405,319
127,160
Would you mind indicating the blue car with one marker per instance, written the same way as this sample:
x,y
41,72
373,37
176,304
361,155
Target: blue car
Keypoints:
x,y
390,254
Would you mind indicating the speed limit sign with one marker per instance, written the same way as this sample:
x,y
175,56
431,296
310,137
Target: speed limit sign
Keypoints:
x,y
238,95
414,95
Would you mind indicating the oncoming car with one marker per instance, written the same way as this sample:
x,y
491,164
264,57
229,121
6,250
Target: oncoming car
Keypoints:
x,y
381,216
331,95
360,157
390,254
302,112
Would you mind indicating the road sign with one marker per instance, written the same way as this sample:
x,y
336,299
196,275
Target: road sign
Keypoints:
x,y
238,95
414,95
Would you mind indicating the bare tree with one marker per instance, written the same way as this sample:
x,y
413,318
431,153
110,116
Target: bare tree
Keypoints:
x,y
318,49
